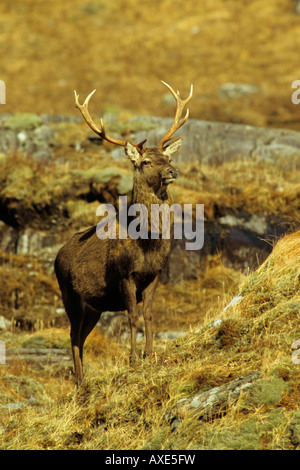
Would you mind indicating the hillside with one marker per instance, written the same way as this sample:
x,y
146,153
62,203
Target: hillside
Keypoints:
x,y
225,373
141,407
124,48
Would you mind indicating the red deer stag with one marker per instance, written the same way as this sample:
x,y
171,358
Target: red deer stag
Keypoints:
x,y
97,275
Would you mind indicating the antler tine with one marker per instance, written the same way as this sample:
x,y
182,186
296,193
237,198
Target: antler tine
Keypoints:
x,y
83,108
179,109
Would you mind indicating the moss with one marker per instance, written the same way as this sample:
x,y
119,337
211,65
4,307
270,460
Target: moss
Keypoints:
x,y
26,121
157,441
256,433
38,341
98,175
247,438
3,159
263,393
24,387
17,181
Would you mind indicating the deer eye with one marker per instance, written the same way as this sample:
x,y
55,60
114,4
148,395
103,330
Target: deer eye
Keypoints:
x,y
146,162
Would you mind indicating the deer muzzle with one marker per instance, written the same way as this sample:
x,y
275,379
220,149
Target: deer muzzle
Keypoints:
x,y
171,175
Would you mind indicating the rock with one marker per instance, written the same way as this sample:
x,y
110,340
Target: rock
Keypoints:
x,y
216,142
211,403
217,400
5,324
13,406
234,301
257,223
26,133
39,355
242,249
38,243
208,142
8,141
236,90
2,352
8,237
114,323
170,335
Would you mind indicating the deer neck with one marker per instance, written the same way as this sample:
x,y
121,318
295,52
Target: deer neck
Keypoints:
x,y
142,193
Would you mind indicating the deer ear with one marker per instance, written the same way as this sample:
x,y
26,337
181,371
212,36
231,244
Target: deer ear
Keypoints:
x,y
172,148
132,152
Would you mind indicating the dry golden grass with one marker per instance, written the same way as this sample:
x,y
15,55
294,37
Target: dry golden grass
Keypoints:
x,y
123,48
122,407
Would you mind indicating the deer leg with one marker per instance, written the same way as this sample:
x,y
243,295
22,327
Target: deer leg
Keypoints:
x,y
129,292
91,317
147,313
81,326
76,350
74,310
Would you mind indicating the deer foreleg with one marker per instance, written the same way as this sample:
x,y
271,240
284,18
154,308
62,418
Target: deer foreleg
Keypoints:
x,y
129,292
147,312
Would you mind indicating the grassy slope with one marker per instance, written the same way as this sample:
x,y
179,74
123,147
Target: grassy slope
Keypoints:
x,y
122,407
124,49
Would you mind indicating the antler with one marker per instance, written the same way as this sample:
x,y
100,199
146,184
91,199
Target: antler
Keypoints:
x,y
179,109
83,108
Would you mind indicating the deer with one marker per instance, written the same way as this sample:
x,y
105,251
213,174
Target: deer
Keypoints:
x,y
98,275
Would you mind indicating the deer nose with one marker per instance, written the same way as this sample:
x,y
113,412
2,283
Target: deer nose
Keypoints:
x,y
173,172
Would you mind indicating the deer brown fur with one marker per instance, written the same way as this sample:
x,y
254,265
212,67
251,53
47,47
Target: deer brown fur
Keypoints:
x,y
97,275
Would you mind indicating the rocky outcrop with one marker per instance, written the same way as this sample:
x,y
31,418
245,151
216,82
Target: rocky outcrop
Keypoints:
x,y
211,403
207,142
242,238
244,395
216,142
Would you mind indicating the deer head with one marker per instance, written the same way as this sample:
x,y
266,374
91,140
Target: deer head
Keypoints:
x,y
151,165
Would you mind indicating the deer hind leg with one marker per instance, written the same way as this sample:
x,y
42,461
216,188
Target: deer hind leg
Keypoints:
x,y
74,310
77,351
91,317
147,313
129,292
79,332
